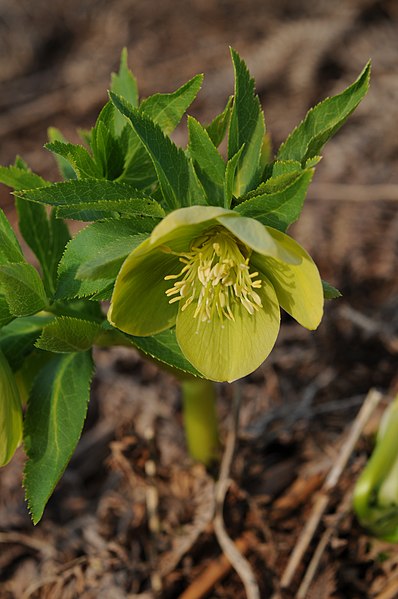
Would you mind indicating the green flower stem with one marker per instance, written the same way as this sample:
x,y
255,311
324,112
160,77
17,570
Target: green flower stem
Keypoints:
x,y
376,492
200,419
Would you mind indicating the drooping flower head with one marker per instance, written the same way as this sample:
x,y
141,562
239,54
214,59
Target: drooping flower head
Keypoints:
x,y
219,278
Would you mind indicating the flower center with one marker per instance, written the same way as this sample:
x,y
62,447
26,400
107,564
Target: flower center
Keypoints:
x,y
216,274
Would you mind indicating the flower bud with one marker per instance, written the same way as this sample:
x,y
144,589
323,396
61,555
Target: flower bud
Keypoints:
x,y
376,492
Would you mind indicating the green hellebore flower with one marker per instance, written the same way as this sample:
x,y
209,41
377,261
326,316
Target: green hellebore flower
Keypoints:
x,y
10,413
219,278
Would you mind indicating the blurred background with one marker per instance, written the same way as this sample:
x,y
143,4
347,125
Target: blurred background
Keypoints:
x,y
55,63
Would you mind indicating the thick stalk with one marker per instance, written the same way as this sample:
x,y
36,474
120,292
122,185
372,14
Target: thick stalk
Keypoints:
x,y
200,419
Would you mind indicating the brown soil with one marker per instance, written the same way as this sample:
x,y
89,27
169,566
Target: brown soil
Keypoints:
x,y
96,539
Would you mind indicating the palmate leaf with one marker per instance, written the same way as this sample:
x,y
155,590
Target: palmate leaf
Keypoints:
x,y
280,208
67,335
97,195
22,288
246,127
17,339
171,164
88,245
108,149
330,292
54,421
322,121
166,110
229,181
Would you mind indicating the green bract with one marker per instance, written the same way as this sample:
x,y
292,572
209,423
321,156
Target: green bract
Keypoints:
x,y
10,413
219,278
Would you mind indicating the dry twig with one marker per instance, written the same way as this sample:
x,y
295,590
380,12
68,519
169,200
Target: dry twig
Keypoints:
x,y
372,400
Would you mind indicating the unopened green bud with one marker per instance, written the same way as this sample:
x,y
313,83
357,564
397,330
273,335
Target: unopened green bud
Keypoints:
x,y
376,492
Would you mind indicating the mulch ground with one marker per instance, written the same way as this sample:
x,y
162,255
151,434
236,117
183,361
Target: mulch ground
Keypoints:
x,y
133,516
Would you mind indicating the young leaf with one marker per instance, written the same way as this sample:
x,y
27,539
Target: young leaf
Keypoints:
x,y
23,289
10,250
20,178
280,208
124,84
108,196
170,162
219,125
322,121
108,152
17,339
229,180
47,237
64,166
166,110
54,421
107,263
78,157
66,335
209,165
330,292
88,244
246,127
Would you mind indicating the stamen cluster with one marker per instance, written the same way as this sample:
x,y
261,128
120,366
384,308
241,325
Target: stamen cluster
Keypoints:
x,y
217,275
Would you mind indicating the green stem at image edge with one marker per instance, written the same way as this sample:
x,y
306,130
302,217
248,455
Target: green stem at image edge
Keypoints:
x,y
200,419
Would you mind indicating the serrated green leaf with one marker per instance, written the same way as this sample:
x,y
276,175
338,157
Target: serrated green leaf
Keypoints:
x,y
330,292
66,335
54,420
209,165
107,150
5,314
322,121
17,339
246,127
88,244
285,167
10,413
124,84
46,236
20,178
166,110
64,166
78,157
219,125
170,162
229,181
280,208
97,195
106,264
164,348
22,288
10,250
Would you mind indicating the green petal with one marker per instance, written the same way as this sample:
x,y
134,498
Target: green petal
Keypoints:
x,y
10,413
298,286
228,350
139,304
258,237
